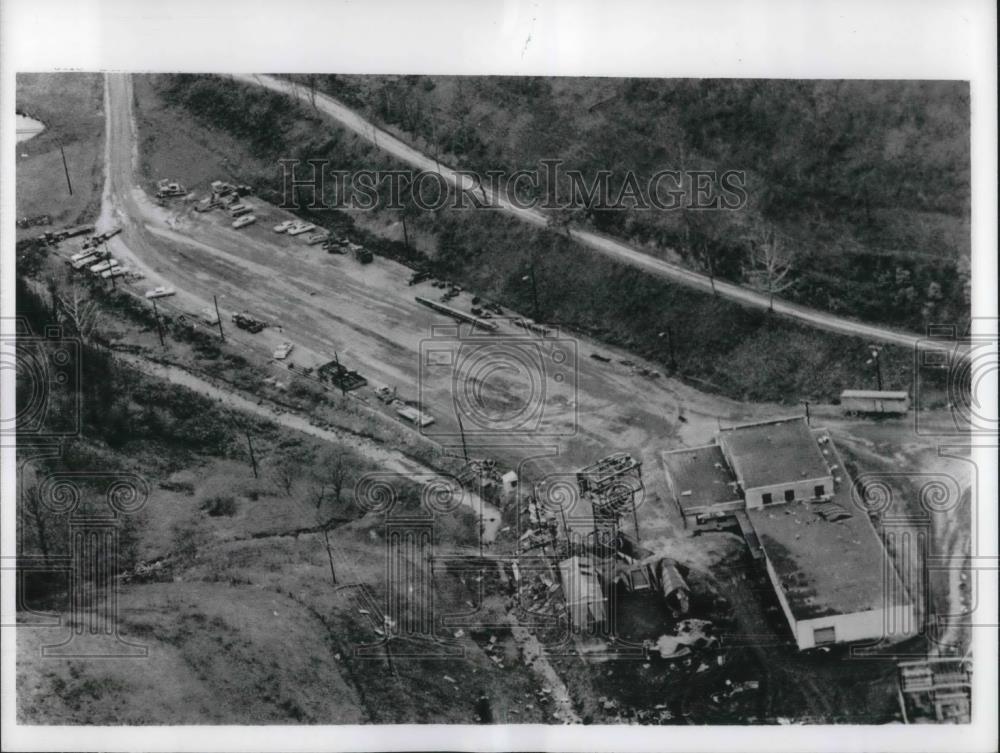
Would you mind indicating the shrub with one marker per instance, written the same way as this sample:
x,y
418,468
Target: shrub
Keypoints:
x,y
220,505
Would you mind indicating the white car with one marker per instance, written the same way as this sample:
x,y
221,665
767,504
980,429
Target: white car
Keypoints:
x,y
301,227
282,351
283,226
160,292
319,236
247,219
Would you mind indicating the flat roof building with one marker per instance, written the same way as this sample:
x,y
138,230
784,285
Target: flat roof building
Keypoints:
x,y
832,575
703,485
776,461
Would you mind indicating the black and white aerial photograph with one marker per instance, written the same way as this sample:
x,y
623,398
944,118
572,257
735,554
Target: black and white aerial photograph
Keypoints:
x,y
374,396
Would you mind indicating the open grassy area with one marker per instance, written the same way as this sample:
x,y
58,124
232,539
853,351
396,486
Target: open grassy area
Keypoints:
x,y
71,105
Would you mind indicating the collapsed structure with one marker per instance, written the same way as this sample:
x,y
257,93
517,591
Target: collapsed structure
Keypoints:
x,y
783,485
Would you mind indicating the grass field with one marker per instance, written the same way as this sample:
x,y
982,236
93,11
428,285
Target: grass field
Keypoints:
x,y
71,105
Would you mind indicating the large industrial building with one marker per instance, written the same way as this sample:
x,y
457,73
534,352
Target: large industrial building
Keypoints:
x,y
783,484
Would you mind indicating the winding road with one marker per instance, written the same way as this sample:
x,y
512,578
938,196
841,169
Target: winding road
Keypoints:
x,y
615,249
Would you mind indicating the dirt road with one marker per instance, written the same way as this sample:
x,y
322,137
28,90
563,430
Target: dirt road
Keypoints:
x,y
577,409
609,246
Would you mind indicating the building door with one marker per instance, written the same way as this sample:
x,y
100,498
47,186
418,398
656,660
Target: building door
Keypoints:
x,y
825,635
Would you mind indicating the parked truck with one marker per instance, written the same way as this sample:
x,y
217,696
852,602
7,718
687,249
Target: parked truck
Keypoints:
x,y
56,236
247,322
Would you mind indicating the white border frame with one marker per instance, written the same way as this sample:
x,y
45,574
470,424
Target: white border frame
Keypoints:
x,y
778,39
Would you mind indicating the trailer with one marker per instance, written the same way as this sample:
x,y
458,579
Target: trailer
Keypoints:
x,y
116,270
456,314
414,416
874,402
96,240
56,236
101,266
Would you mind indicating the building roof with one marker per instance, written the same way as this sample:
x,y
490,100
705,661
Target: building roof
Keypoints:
x,y
827,563
773,452
581,589
875,394
700,478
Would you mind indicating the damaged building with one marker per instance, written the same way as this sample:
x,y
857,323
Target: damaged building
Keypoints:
x,y
783,486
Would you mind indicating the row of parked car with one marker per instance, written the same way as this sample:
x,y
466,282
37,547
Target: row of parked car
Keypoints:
x,y
299,227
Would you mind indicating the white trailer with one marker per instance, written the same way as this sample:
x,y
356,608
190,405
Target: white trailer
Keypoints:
x,y
81,260
102,266
874,402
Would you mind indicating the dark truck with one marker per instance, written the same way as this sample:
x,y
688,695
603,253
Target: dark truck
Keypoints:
x,y
247,322
55,236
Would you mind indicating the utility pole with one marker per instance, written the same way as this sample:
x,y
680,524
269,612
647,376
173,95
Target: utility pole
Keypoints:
x,y
253,460
65,167
806,403
668,333
343,383
159,327
876,352
461,431
530,277
111,273
218,318
708,262
635,518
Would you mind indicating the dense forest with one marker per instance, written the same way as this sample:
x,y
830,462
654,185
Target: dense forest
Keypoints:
x,y
866,182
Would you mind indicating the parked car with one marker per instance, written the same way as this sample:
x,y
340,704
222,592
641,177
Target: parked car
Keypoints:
x,y
247,219
317,237
282,351
239,209
301,227
160,292
281,227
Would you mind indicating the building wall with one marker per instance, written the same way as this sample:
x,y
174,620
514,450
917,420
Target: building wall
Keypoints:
x,y
894,623
804,490
873,625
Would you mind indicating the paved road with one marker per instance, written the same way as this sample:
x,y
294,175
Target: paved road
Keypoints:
x,y
608,246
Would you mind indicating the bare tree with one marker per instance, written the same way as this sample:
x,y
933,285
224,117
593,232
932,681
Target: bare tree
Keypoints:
x,y
311,83
79,313
770,261
329,478
285,471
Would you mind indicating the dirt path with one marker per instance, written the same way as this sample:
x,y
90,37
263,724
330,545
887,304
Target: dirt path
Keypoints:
x,y
534,657
385,457
608,246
